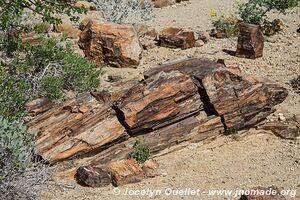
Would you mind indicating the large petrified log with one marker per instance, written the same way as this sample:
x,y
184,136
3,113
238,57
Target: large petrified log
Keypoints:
x,y
189,100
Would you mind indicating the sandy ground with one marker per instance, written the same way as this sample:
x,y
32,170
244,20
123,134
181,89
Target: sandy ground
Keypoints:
x,y
256,158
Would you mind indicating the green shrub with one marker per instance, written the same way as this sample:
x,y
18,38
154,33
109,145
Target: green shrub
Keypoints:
x,y
41,27
44,70
16,139
52,87
141,152
224,24
80,75
12,11
13,95
254,11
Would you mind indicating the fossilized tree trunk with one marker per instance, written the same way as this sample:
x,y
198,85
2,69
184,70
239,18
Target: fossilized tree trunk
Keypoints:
x,y
189,100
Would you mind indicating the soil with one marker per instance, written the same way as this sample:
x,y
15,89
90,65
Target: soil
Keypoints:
x,y
249,159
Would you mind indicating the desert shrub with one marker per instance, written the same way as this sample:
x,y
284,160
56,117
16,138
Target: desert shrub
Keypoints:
x,y
224,24
13,95
41,27
26,184
120,11
43,70
141,152
11,11
15,138
254,11
52,87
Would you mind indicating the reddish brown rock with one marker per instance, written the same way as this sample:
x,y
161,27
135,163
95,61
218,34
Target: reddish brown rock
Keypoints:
x,y
31,38
176,38
289,129
125,172
250,41
150,167
114,44
93,176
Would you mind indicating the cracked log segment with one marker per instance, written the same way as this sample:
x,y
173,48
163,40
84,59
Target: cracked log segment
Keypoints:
x,y
188,100
79,125
239,100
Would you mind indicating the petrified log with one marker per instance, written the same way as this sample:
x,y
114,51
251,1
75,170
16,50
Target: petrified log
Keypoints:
x,y
239,100
125,171
79,126
93,176
176,38
250,41
188,100
290,129
114,44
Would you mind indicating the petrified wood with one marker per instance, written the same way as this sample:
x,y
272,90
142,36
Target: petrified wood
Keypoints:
x,y
250,41
186,100
93,176
176,38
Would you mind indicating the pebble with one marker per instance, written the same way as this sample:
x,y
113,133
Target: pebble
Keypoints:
x,y
281,117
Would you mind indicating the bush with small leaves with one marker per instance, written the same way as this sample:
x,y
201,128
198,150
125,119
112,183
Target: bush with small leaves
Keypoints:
x,y
13,95
254,11
48,70
141,152
15,138
12,10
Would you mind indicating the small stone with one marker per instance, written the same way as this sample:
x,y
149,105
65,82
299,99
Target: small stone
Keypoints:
x,y
204,36
199,43
281,117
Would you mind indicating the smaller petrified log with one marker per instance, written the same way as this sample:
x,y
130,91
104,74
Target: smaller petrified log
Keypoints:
x,y
114,44
125,172
176,38
250,41
93,176
289,129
